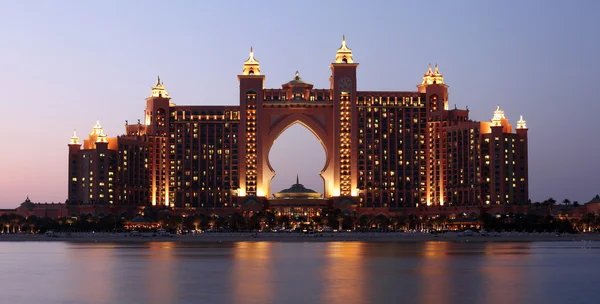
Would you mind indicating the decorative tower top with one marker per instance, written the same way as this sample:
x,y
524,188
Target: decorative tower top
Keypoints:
x,y
521,124
74,139
297,79
498,116
101,137
433,77
251,65
297,179
97,129
344,53
158,90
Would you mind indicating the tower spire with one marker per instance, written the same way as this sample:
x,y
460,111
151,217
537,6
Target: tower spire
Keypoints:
x,y
74,139
498,116
297,179
433,76
158,90
344,53
251,65
97,128
101,137
521,124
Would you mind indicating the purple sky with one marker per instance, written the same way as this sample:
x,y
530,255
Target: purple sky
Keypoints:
x,y
65,64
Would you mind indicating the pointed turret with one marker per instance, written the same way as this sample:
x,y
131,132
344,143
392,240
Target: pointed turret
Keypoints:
x,y
74,139
101,137
344,53
97,128
158,90
251,65
521,124
433,77
498,117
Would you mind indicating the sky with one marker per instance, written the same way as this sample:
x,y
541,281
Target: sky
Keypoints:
x,y
65,64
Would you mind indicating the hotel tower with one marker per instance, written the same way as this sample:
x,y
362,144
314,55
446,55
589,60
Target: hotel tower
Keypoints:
x,y
384,150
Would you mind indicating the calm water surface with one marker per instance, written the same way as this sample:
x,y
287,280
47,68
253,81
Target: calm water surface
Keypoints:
x,y
264,272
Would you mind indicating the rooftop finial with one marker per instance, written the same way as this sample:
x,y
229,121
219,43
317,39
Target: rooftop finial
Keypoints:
x,y
498,116
433,76
158,90
297,179
101,137
74,139
344,53
521,124
251,66
297,74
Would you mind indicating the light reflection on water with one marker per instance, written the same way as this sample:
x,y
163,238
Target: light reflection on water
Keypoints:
x,y
324,272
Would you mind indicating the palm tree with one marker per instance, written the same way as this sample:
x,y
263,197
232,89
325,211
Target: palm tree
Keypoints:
x,y
317,220
339,219
365,221
17,221
282,221
354,219
382,221
566,202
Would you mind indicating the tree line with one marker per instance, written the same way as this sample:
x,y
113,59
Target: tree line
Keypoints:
x,y
266,221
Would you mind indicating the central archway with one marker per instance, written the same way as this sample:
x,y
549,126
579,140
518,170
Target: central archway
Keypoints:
x,y
316,123
297,152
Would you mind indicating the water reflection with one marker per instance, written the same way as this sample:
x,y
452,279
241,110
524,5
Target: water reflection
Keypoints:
x,y
343,274
434,274
267,272
159,268
505,277
93,273
251,274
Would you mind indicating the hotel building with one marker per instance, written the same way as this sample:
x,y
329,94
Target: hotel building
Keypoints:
x,y
384,150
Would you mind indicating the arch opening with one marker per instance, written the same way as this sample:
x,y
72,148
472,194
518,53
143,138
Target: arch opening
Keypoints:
x,y
297,152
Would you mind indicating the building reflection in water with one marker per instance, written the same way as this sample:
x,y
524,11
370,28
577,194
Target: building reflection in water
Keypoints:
x,y
344,273
434,273
93,273
252,272
159,277
504,274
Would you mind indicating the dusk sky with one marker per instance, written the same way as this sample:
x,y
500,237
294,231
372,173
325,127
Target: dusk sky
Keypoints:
x,y
66,64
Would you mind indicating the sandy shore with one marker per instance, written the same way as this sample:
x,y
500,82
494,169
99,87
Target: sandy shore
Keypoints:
x,y
325,237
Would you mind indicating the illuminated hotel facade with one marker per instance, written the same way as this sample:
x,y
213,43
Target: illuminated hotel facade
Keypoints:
x,y
384,150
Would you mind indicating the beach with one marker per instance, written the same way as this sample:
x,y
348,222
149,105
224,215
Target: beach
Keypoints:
x,y
299,237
